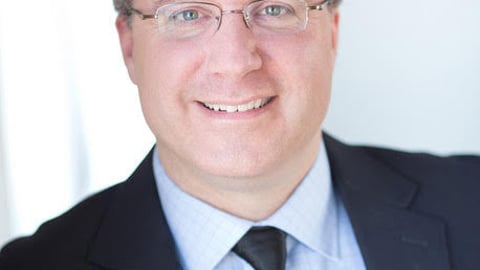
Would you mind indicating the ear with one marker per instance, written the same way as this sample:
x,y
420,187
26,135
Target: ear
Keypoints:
x,y
125,33
335,25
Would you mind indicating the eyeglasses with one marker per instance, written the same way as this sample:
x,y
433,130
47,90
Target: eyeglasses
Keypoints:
x,y
181,20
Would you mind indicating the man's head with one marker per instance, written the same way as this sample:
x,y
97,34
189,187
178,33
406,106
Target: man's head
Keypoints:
x,y
123,6
244,100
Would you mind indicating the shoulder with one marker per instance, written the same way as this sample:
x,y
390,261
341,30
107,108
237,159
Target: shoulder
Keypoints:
x,y
65,242
443,184
413,165
63,239
447,184
438,189
426,167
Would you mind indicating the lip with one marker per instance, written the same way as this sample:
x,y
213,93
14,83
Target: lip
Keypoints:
x,y
254,104
237,110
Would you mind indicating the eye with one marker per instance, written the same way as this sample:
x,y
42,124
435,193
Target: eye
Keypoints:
x,y
276,10
272,13
185,15
190,13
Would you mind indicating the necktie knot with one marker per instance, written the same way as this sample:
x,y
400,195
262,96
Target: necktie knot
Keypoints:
x,y
263,248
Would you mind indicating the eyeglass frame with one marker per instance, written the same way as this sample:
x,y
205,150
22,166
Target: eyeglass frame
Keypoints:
x,y
320,6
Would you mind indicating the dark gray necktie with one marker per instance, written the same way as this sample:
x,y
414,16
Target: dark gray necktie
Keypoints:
x,y
263,248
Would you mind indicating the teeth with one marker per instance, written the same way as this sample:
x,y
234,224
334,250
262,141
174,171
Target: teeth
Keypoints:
x,y
258,103
252,105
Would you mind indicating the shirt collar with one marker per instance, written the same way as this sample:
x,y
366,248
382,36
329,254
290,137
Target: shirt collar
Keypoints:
x,y
309,216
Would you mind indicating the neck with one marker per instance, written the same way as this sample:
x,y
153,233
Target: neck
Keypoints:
x,y
252,198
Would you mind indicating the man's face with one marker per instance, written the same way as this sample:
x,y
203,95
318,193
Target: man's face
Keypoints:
x,y
289,75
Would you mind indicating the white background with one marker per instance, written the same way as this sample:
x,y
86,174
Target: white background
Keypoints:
x,y
408,76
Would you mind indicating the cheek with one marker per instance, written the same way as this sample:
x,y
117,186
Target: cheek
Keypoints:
x,y
306,77
163,72
164,63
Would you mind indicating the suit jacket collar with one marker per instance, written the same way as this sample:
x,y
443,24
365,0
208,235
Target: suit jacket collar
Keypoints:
x,y
379,203
134,233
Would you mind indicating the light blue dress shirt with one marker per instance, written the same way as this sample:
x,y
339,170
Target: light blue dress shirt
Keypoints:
x,y
319,232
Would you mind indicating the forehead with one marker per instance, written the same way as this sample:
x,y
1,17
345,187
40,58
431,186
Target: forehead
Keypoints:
x,y
156,3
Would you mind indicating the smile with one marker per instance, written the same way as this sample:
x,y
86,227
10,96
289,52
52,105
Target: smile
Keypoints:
x,y
252,105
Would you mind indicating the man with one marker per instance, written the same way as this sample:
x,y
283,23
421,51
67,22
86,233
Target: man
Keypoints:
x,y
235,93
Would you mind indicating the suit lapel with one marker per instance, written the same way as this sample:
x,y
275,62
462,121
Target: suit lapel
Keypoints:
x,y
378,201
134,233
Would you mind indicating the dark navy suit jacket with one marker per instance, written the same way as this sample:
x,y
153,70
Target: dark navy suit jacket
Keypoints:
x,y
408,211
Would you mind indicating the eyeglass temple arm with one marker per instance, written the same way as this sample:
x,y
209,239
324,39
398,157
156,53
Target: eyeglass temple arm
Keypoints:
x,y
321,5
141,15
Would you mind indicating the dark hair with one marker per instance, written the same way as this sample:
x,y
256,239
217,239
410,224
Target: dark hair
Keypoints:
x,y
123,6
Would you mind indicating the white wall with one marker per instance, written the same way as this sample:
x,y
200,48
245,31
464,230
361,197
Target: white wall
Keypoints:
x,y
4,226
70,120
407,76
4,211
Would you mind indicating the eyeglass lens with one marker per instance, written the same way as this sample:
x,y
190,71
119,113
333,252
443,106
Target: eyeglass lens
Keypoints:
x,y
190,19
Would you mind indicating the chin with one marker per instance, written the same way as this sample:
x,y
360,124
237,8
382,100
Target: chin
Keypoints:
x,y
239,166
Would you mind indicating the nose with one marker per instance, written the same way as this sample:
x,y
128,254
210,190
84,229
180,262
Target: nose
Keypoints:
x,y
233,50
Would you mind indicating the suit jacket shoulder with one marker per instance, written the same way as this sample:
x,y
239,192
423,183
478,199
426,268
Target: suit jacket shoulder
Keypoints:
x,y
410,211
122,227
60,243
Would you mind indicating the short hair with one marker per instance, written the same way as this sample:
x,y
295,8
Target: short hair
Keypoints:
x,y
123,6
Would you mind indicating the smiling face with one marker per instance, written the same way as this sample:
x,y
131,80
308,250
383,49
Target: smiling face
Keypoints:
x,y
235,104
